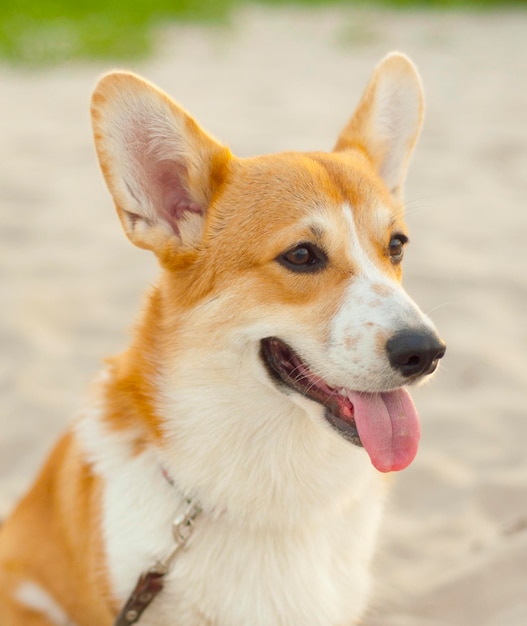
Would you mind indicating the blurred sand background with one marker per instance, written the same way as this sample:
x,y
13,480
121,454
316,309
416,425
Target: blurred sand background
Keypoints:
x,y
454,546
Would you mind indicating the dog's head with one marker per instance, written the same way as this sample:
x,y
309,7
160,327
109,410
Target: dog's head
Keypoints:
x,y
292,258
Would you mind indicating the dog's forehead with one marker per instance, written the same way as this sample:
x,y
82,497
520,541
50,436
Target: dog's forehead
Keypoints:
x,y
314,192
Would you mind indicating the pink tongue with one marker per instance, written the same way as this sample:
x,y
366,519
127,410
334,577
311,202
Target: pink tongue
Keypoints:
x,y
388,427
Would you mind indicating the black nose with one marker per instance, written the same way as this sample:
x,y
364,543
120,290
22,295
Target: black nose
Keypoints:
x,y
415,352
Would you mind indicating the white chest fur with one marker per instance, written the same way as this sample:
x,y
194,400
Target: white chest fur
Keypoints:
x,y
313,573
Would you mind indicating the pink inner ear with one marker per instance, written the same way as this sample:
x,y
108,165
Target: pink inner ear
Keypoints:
x,y
172,200
160,183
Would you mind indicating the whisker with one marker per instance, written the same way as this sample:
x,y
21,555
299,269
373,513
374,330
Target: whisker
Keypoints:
x,y
438,307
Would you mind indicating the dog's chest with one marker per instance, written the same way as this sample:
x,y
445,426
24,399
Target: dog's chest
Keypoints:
x,y
230,575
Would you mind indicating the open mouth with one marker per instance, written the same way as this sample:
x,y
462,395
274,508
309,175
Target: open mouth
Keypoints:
x,y
385,424
287,367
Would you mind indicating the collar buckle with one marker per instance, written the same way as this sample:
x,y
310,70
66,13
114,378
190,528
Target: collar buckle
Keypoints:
x,y
182,530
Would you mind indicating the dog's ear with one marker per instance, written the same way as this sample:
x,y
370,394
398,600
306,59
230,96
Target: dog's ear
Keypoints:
x,y
388,120
161,168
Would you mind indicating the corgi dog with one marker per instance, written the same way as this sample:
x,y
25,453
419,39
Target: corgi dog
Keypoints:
x,y
265,383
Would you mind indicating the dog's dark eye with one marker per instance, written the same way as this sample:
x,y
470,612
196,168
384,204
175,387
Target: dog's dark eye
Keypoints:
x,y
396,248
304,257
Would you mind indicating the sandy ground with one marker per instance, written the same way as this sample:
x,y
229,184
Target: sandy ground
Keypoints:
x,y
454,548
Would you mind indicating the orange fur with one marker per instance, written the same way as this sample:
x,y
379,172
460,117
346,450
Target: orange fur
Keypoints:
x,y
54,540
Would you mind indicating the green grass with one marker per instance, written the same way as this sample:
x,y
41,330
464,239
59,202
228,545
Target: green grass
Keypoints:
x,y
432,4
37,32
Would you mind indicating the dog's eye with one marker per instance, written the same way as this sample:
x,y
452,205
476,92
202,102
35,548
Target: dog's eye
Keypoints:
x,y
304,257
396,248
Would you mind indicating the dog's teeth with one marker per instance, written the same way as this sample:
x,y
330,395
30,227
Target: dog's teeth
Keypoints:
x,y
342,392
